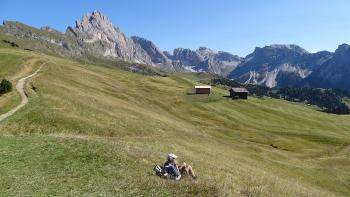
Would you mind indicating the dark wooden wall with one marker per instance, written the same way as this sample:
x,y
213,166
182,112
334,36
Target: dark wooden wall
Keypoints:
x,y
202,90
239,95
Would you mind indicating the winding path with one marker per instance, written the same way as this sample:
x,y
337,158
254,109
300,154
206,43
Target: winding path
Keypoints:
x,y
20,90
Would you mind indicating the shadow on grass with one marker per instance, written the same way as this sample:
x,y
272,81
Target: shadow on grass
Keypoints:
x,y
192,93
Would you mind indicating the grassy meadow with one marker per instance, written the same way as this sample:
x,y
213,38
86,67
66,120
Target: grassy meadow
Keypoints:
x,y
93,130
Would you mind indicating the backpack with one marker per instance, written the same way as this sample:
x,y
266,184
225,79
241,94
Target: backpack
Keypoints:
x,y
159,170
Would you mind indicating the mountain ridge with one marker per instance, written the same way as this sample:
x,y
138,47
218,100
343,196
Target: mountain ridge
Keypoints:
x,y
271,66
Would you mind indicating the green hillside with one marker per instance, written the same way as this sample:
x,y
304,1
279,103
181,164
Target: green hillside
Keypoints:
x,y
93,130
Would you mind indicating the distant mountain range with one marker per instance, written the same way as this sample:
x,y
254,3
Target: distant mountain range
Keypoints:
x,y
272,66
291,65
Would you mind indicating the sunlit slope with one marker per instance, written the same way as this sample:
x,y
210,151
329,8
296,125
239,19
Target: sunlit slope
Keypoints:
x,y
238,147
13,66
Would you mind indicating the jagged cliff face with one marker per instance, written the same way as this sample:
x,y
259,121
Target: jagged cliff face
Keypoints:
x,y
156,56
223,63
333,73
93,35
187,58
205,60
97,32
96,28
275,65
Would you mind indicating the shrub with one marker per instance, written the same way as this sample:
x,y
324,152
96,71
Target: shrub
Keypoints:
x,y
5,86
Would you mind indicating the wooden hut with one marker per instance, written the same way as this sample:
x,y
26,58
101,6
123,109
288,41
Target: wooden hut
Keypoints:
x,y
203,89
239,93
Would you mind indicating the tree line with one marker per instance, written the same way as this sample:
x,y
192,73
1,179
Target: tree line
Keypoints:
x,y
328,100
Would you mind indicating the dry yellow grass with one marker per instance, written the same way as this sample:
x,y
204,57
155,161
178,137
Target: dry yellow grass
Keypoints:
x,y
139,119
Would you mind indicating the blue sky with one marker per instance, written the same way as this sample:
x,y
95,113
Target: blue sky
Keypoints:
x,y
227,25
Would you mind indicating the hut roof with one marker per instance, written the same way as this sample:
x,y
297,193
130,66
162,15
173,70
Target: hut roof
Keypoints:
x,y
199,87
239,90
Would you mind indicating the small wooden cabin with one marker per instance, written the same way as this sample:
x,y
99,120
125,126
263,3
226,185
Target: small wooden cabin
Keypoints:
x,y
239,93
202,89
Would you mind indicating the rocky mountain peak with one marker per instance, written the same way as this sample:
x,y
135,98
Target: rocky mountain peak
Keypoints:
x,y
96,26
187,56
98,36
334,71
94,20
108,40
275,64
205,49
202,48
156,55
206,60
228,56
280,48
205,52
343,48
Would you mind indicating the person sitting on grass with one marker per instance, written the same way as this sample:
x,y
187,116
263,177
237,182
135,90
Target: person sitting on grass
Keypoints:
x,y
177,171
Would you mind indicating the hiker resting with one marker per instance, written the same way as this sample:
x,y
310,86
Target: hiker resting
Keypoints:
x,y
177,171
